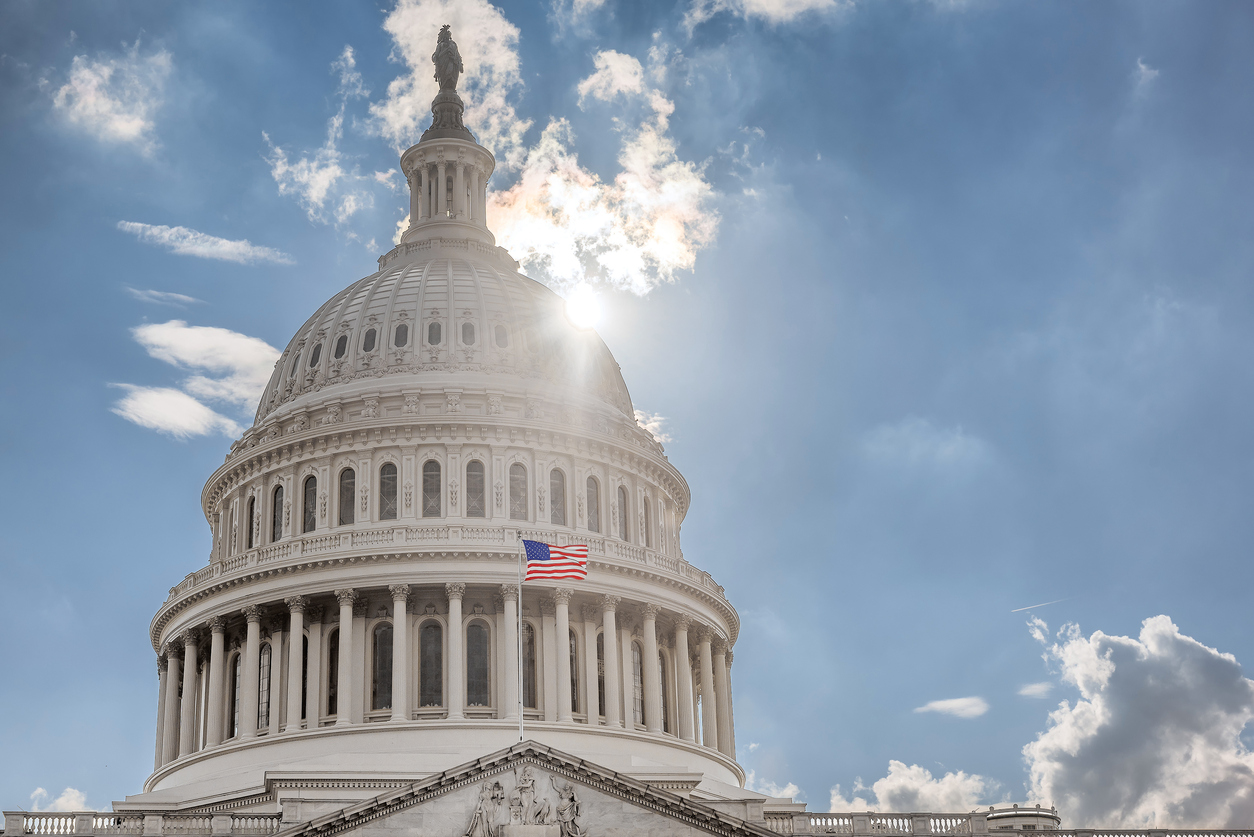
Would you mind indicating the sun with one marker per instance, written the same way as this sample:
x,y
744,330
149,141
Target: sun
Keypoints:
x,y
583,306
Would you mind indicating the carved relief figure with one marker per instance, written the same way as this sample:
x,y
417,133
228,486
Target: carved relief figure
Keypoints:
x,y
483,821
524,801
567,809
448,61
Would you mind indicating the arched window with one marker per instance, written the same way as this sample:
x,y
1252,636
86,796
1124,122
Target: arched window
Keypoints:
x,y
233,692
304,676
381,681
263,688
574,672
433,334
601,674
387,492
276,514
333,673
431,488
502,337
594,505
309,510
648,522
315,356
431,665
252,519
623,528
367,345
231,533
518,491
341,346
637,685
348,490
661,679
468,334
476,491
401,336
557,498
529,665
477,660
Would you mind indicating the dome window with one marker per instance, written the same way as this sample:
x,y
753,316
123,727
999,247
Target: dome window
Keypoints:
x,y
367,345
476,490
433,334
401,336
341,346
502,337
348,491
557,498
387,492
295,365
309,505
468,334
431,488
517,491
431,665
315,356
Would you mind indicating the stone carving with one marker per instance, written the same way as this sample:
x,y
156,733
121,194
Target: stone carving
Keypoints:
x,y
454,402
609,603
253,613
533,408
302,422
548,607
540,500
455,589
287,515
411,405
359,608
452,494
650,611
346,596
217,624
334,414
567,809
296,603
365,498
409,494
562,595
371,408
494,405
315,614
509,591
399,591
448,61
499,490
525,805
483,821
322,505
579,505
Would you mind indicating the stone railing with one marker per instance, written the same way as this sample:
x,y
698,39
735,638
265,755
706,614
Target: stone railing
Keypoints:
x,y
454,535
98,824
866,824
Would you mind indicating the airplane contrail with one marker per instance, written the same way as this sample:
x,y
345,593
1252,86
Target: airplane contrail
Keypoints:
x,y
1042,604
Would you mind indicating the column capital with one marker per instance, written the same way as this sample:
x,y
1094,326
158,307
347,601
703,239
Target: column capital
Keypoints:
x,y
314,613
253,613
682,621
173,648
705,634
562,595
610,603
162,665
719,645
548,607
400,592
296,603
190,637
346,596
729,658
217,625
589,613
455,590
650,611
509,592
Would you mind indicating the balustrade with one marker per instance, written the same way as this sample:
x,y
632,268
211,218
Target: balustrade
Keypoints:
x,y
99,824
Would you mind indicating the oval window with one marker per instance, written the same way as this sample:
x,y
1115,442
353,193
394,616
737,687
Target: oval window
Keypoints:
x,y
341,346
468,334
502,336
402,336
295,366
367,345
315,356
433,334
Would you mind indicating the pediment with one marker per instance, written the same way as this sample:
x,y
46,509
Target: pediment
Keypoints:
x,y
528,790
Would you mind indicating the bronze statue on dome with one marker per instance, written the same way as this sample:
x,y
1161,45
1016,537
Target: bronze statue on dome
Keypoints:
x,y
448,61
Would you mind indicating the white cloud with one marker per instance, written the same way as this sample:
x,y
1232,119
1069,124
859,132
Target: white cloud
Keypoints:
x,y
489,48
1159,720
615,73
69,800
772,11
162,297
243,364
965,707
114,97
915,442
188,242
1036,690
913,788
171,411
789,790
1144,75
573,12
653,423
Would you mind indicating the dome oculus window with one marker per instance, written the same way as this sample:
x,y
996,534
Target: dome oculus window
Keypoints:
x,y
433,334
502,337
468,334
367,345
315,356
401,336
341,346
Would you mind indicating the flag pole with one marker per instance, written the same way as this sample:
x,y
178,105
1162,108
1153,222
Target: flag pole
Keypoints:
x,y
518,633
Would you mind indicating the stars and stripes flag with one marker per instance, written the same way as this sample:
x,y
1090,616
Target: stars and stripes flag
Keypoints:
x,y
547,561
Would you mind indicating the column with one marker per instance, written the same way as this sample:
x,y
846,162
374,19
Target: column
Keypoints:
x,y
629,677
170,732
722,695
609,631
548,656
561,635
187,708
162,668
590,686
731,712
475,213
441,189
276,675
456,680
424,200
509,602
360,643
414,184
684,679
709,710
649,667
295,671
344,683
249,671
459,190
313,674
400,652
217,688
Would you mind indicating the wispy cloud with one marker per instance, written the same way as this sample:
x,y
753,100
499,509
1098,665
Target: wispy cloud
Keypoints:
x,y
171,411
1144,76
653,423
913,788
1036,690
916,442
188,242
162,297
964,707
766,786
114,97
615,74
771,11
70,799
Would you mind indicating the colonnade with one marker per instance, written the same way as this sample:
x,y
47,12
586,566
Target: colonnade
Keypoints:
x,y
202,704
454,188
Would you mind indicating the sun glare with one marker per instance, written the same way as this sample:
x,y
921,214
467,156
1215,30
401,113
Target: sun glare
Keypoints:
x,y
583,306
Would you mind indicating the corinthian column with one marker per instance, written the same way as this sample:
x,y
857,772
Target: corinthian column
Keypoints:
x,y
509,651
649,665
731,711
709,703
344,683
591,691
456,679
561,598
609,631
162,669
414,184
217,691
249,672
684,679
459,190
295,670
722,691
424,183
400,652
170,731
187,711
441,188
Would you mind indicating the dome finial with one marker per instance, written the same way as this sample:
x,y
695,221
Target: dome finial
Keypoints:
x,y
447,107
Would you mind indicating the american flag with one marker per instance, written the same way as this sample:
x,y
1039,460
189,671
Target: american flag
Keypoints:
x,y
548,561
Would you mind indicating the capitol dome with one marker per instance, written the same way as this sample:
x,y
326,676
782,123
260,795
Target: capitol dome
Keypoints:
x,y
360,625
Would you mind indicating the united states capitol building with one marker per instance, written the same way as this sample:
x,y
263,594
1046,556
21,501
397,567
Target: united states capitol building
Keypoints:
x,y
355,655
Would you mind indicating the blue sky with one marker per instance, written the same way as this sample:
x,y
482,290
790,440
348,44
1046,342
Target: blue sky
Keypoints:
x,y
946,308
